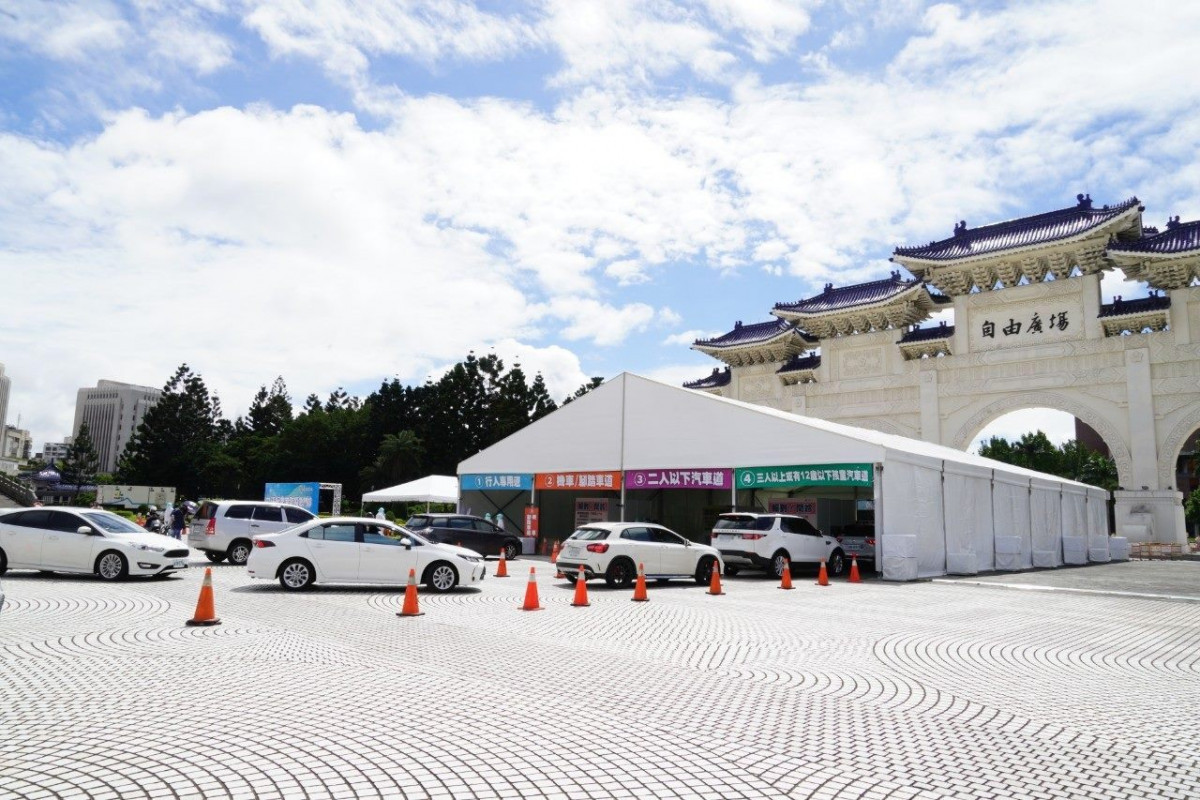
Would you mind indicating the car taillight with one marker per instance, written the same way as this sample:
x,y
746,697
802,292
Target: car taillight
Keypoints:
x,y
870,540
839,538
754,536
263,543
597,548
211,528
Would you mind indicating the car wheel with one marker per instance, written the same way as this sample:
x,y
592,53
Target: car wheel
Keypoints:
x,y
441,577
704,570
571,577
620,574
111,566
511,551
215,558
239,551
836,564
3,563
731,570
296,574
778,561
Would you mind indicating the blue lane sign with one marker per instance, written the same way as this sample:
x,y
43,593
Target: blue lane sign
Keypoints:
x,y
510,481
304,495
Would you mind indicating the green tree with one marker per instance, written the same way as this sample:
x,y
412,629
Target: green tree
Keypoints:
x,y
399,460
584,389
1191,508
1072,460
81,463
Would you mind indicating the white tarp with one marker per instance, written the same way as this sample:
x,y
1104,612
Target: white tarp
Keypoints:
x,y
1010,505
1045,522
430,489
967,501
912,499
1074,525
1097,506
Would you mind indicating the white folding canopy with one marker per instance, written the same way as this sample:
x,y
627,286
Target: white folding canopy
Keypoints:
x,y
430,489
939,509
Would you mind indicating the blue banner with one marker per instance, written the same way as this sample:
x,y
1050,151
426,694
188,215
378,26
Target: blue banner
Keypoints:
x,y
501,481
303,495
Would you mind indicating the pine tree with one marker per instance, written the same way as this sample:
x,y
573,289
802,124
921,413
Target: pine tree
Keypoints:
x,y
81,463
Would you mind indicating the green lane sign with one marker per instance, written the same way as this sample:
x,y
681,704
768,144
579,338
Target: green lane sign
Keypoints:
x,y
803,475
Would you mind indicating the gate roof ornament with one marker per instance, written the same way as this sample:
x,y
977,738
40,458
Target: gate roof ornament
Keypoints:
x,y
760,343
1166,260
1003,253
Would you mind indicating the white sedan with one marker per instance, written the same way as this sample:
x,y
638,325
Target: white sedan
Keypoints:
x,y
614,550
360,550
67,539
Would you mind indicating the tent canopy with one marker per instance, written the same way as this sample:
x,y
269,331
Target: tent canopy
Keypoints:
x,y
430,489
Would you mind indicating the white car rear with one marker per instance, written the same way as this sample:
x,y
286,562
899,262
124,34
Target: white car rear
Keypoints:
x,y
614,550
360,550
223,528
768,541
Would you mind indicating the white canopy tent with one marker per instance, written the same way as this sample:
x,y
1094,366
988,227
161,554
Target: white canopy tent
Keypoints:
x,y
430,489
938,509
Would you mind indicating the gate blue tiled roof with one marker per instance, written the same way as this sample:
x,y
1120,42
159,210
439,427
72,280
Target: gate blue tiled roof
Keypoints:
x,y
748,334
844,297
1179,237
1038,229
939,331
799,362
720,377
1120,307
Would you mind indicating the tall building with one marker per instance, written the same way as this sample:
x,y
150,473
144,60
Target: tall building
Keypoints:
x,y
18,443
112,411
56,451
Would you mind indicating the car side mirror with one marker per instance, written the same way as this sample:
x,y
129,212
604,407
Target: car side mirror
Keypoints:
x,y
85,530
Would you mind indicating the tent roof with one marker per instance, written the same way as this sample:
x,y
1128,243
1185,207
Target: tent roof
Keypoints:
x,y
430,489
631,422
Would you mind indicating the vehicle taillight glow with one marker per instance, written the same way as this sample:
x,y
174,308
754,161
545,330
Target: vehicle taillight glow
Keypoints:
x,y
870,540
263,543
211,528
753,536
597,548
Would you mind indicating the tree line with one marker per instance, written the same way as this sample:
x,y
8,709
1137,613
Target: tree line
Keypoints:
x,y
1071,460
395,434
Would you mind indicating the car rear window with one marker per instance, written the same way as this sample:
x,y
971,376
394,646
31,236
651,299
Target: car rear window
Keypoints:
x,y
297,515
744,523
590,534
416,523
239,512
206,510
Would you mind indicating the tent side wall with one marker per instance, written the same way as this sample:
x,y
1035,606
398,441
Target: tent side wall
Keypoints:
x,y
1074,524
912,541
1045,522
1097,510
967,502
1010,504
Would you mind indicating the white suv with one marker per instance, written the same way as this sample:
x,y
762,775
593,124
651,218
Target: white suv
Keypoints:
x,y
763,541
613,550
223,528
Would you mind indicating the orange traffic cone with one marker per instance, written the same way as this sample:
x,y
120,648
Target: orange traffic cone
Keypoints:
x,y
786,580
205,613
554,560
854,576
822,576
502,568
581,590
410,608
531,595
639,588
714,587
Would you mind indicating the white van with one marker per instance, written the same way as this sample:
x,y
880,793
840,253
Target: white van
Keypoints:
x,y
223,528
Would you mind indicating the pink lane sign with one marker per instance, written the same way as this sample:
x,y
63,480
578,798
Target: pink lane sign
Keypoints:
x,y
706,478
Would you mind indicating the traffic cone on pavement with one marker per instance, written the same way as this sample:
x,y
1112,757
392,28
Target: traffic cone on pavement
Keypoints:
x,y
786,580
531,595
854,576
823,576
581,590
205,613
714,586
639,588
410,608
554,560
502,568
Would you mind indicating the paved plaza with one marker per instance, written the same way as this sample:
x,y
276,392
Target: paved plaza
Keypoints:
x,y
873,691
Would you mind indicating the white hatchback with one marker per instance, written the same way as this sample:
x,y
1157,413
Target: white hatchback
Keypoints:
x,y
614,550
68,539
360,550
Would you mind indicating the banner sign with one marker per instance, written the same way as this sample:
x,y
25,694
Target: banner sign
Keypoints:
x,y
590,509
804,475
796,508
531,521
498,480
578,480
678,478
303,495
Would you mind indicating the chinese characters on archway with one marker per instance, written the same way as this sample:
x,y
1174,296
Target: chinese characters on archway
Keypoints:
x,y
1034,325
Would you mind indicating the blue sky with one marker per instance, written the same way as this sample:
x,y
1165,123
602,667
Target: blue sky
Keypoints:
x,y
342,192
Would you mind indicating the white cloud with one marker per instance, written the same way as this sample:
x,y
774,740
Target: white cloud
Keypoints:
x,y
1058,426
67,31
687,338
603,324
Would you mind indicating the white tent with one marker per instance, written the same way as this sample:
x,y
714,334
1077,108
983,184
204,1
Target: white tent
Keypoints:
x,y
430,489
938,509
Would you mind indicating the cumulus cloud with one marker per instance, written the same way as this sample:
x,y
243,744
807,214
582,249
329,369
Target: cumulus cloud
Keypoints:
x,y
687,338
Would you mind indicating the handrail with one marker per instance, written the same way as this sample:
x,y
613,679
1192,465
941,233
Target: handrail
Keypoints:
x,y
17,491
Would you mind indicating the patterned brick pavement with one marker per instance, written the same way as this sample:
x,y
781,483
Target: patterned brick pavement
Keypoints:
x,y
871,691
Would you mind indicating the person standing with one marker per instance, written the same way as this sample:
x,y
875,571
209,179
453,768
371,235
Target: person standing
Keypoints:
x,y
177,519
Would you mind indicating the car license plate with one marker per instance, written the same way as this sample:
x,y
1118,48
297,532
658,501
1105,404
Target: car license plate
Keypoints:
x,y
180,565
572,550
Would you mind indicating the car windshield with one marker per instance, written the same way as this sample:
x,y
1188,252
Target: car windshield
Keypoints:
x,y
590,534
400,530
111,523
416,523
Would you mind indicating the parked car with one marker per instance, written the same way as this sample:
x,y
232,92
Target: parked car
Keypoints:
x,y
467,531
360,550
764,541
858,540
223,528
613,550
68,539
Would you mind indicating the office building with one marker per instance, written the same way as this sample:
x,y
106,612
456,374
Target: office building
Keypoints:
x,y
112,411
